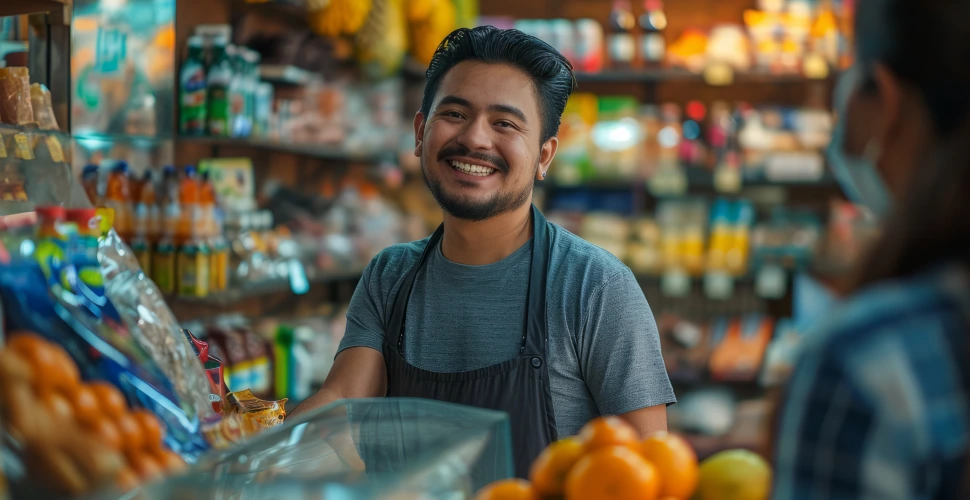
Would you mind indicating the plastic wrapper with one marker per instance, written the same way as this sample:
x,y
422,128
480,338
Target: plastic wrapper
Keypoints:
x,y
15,105
40,101
255,414
143,309
44,294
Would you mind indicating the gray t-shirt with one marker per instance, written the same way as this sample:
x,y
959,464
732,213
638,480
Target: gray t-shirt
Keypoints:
x,y
604,350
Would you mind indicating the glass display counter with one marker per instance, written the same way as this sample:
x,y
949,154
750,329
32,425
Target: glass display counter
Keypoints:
x,y
372,448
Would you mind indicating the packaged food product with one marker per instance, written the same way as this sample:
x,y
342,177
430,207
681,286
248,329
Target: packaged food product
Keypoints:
x,y
15,105
255,414
40,101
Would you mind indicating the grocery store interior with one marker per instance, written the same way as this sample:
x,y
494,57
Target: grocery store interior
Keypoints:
x,y
227,168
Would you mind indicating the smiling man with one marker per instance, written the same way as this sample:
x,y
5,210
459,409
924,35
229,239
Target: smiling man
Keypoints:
x,y
499,308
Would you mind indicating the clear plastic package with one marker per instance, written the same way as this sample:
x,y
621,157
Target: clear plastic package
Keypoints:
x,y
40,102
15,105
371,448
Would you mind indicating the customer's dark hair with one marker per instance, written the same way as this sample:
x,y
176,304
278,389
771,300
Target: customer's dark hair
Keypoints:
x,y
926,44
552,74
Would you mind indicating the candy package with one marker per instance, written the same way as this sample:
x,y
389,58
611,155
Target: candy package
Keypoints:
x,y
15,107
253,413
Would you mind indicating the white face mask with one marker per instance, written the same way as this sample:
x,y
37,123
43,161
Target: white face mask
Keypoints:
x,y
858,176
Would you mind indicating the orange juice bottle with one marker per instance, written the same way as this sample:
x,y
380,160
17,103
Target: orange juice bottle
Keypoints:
x,y
192,260
163,259
118,198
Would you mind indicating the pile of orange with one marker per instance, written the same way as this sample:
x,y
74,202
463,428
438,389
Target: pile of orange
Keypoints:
x,y
78,437
607,460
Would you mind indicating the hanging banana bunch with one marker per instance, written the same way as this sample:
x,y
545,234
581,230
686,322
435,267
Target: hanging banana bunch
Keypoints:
x,y
338,17
428,33
382,41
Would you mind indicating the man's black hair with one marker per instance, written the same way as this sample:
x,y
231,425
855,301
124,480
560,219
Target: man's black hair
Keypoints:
x,y
552,74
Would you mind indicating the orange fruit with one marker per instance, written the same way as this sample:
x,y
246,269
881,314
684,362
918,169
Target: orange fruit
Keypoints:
x,y
676,462
608,431
126,480
549,471
508,489
146,466
112,402
170,460
58,406
735,474
131,435
151,428
106,431
613,473
47,362
86,408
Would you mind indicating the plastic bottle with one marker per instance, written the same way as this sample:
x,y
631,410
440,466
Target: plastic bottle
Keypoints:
x,y
146,223
193,89
118,198
218,247
217,90
89,180
163,259
192,261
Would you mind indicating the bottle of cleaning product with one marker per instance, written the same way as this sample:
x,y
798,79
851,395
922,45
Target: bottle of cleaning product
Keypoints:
x,y
192,261
193,89
217,89
118,198
163,259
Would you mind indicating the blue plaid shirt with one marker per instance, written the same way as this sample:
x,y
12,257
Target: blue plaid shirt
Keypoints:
x,y
878,404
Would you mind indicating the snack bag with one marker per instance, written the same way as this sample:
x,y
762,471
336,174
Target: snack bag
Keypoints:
x,y
101,344
15,105
254,414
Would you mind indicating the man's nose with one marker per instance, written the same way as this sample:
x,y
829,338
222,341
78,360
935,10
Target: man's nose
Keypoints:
x,y
476,135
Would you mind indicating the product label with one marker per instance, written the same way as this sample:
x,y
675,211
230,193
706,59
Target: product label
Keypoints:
x,y
239,377
653,47
193,112
260,375
163,268
218,269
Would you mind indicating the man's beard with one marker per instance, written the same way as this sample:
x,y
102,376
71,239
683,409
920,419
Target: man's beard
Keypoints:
x,y
463,207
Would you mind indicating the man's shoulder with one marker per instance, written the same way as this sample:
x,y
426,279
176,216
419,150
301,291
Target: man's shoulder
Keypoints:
x,y
392,263
574,259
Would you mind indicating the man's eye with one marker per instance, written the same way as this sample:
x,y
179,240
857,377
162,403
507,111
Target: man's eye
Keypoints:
x,y
504,123
452,114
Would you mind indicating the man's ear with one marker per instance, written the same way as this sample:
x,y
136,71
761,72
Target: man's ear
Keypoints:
x,y
546,154
418,133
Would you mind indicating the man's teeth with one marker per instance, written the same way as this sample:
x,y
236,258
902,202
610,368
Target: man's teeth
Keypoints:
x,y
470,169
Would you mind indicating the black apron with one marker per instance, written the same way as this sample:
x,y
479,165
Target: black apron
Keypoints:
x,y
519,386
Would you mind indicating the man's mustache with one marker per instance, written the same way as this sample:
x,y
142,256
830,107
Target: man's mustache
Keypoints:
x,y
496,161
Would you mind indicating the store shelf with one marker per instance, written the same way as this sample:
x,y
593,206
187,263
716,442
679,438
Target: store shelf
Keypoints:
x,y
683,75
276,287
314,151
700,180
285,75
22,7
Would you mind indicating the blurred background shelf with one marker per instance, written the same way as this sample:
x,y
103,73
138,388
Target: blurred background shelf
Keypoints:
x,y
683,75
327,152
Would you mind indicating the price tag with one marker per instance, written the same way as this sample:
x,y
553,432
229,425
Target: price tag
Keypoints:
x,y
54,146
771,282
3,149
675,283
23,147
718,285
727,179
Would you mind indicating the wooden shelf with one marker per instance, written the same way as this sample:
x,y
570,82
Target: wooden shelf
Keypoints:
x,y
682,75
60,9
